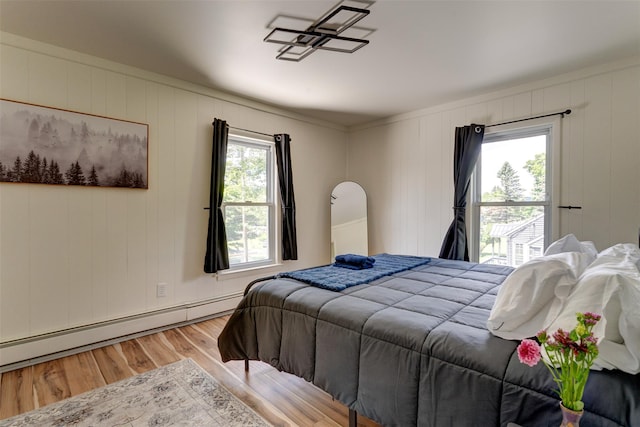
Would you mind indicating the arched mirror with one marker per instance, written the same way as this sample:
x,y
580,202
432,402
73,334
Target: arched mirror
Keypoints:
x,y
349,220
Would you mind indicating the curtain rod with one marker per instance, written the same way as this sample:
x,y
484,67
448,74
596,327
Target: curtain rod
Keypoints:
x,y
559,113
251,131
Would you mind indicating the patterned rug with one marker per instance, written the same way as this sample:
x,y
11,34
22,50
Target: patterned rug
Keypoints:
x,y
180,394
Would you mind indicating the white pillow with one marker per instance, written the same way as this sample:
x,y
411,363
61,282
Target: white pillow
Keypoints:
x,y
570,243
534,293
610,286
623,251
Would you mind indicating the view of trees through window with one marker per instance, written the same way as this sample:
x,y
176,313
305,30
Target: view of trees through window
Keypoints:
x,y
247,202
513,196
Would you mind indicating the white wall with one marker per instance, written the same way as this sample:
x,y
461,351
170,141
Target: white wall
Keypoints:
x,y
71,257
405,163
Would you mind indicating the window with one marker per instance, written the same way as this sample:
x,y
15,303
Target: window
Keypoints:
x,y
248,203
511,198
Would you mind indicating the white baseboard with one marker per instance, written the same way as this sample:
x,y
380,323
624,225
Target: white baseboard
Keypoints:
x,y
32,350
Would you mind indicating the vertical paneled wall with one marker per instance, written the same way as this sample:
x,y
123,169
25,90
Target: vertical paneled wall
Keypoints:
x,y
405,163
73,256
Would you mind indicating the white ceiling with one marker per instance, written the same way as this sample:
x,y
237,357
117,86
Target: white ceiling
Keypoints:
x,y
422,53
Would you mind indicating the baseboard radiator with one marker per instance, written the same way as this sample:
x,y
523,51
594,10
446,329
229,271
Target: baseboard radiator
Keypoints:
x,y
28,351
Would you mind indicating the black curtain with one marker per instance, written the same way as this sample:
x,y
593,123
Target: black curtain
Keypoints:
x,y
467,149
217,257
287,199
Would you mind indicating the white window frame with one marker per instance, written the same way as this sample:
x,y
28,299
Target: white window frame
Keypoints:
x,y
552,127
271,201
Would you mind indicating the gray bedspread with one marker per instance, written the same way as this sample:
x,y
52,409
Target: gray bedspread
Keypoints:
x,y
412,349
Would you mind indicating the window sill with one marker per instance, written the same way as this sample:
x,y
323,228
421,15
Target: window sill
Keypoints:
x,y
264,270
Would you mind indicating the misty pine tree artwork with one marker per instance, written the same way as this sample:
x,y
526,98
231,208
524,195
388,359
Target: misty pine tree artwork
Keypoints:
x,y
45,145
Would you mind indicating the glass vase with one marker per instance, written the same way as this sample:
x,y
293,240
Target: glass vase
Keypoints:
x,y
570,418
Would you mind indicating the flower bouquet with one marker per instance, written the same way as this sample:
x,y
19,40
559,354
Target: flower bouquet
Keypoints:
x,y
568,356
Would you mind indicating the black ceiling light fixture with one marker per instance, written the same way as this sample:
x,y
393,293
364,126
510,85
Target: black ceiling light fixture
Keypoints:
x,y
334,31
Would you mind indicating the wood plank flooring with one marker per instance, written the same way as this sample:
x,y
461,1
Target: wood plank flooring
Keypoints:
x,y
283,399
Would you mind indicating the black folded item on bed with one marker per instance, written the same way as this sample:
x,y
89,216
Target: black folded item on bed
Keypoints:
x,y
412,349
354,262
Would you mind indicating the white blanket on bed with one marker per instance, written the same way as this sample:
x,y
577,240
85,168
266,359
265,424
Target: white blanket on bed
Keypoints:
x,y
547,292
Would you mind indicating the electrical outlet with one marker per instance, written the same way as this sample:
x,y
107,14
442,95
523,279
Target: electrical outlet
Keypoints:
x,y
161,290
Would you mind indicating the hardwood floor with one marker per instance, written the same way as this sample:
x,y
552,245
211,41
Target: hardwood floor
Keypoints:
x,y
283,399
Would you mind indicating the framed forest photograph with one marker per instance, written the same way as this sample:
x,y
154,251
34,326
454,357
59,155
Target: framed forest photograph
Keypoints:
x,y
46,145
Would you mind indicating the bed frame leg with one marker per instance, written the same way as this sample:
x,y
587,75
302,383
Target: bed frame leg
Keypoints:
x,y
353,418
246,365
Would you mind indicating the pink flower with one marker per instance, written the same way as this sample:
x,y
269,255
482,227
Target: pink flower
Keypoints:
x,y
591,339
591,318
590,315
529,352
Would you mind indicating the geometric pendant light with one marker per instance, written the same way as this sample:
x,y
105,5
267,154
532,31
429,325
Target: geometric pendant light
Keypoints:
x,y
329,32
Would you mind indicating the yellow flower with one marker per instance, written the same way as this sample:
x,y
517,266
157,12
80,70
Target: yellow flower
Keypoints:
x,y
581,330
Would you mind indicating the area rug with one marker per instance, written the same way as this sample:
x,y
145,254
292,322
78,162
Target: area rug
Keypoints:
x,y
180,394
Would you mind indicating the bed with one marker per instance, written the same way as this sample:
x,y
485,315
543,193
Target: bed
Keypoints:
x,y
412,348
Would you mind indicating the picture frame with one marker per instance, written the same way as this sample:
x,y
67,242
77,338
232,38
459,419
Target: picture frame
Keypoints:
x,y
48,145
